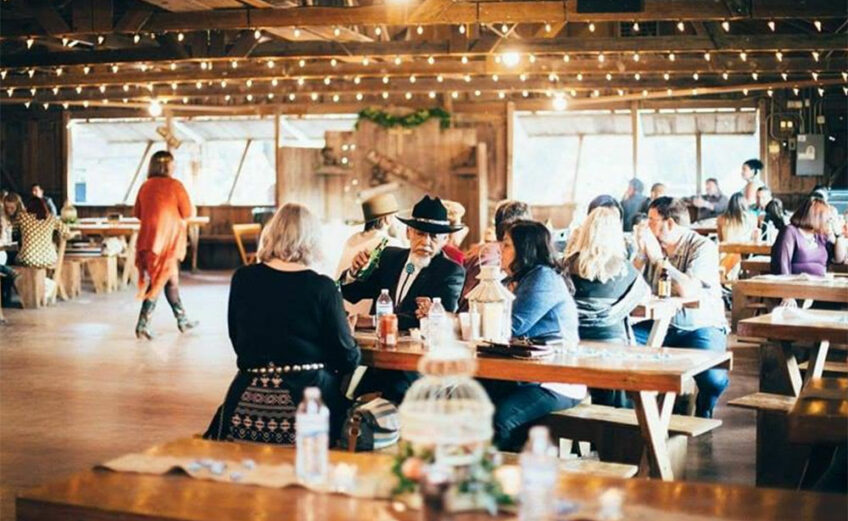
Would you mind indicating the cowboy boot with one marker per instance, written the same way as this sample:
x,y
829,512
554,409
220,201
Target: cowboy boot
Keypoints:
x,y
142,328
183,323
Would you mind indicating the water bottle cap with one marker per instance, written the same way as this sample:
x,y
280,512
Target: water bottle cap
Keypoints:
x,y
384,292
539,439
312,393
437,300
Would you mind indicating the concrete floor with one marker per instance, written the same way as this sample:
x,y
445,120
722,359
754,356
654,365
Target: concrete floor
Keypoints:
x,y
77,388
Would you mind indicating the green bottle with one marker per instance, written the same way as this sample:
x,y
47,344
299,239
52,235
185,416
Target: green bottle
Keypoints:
x,y
373,261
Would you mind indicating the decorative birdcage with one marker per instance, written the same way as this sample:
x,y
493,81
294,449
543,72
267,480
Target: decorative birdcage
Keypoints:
x,y
492,302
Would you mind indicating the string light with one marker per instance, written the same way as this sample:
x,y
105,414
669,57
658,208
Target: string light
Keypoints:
x,y
601,58
199,85
495,78
185,100
510,59
419,30
65,105
591,27
334,62
270,64
532,58
257,34
580,76
476,92
743,56
378,31
725,76
114,69
337,32
637,76
666,76
33,90
668,92
454,94
635,27
335,98
275,82
59,71
726,26
707,56
772,25
779,56
431,60
408,95
464,60
297,32
10,91
46,105
154,108
3,74
385,80
31,72
249,83
609,77
249,97
525,93
173,66
821,92
181,37
84,104
815,76
234,64
103,88
301,63
462,29
301,81
467,78
784,76
292,96
79,90
566,58
227,97
755,76
365,61
844,76
547,27
770,93
671,56
64,42
501,95
398,60
440,78
620,92
412,78
522,77
744,92
358,96
818,25
816,55
126,87
504,28
681,26
357,80
29,42
143,67
136,38
636,56
385,95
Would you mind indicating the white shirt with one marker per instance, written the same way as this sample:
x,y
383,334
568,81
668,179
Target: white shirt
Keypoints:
x,y
406,279
356,243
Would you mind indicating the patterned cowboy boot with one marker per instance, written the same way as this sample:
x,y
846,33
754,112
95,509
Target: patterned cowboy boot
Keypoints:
x,y
142,328
183,323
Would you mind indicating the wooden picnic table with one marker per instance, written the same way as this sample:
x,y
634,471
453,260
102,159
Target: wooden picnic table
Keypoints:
x,y
705,229
820,414
745,248
129,227
761,264
101,495
661,311
812,329
825,289
653,376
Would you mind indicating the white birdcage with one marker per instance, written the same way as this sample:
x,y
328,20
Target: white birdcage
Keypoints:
x,y
492,302
446,410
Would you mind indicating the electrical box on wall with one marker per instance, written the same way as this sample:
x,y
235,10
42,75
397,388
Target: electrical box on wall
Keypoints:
x,y
809,159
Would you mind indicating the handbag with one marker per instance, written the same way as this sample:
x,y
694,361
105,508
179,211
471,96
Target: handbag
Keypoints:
x,y
372,423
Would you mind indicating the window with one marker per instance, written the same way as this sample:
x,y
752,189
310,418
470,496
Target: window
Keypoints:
x,y
219,160
722,157
670,160
606,164
545,168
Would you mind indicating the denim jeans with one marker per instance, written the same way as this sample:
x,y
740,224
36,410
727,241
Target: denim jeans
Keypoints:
x,y
517,405
712,382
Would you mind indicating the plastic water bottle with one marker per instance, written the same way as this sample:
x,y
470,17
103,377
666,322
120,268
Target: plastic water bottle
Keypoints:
x,y
385,306
312,427
436,324
538,477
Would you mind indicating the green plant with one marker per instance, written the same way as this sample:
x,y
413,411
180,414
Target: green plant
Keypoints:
x,y
411,120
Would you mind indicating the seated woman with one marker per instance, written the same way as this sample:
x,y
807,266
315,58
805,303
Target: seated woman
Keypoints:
x,y
36,225
803,247
288,328
543,307
736,224
606,287
775,215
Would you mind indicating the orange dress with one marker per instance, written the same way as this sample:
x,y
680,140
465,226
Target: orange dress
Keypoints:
x,y
162,206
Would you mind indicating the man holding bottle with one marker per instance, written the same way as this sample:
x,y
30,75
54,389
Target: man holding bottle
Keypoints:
x,y
690,260
413,276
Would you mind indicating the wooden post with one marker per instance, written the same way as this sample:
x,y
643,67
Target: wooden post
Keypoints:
x,y
66,157
238,171
699,173
482,189
510,181
762,113
635,129
278,163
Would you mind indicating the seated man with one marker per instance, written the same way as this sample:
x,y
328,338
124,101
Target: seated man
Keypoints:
x,y
692,263
713,203
422,270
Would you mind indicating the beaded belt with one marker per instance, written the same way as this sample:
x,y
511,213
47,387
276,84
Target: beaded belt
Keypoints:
x,y
296,368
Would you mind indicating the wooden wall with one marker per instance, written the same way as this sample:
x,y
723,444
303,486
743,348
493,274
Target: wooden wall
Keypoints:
x,y
33,149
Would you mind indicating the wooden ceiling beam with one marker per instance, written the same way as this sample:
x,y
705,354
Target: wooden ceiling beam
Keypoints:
x,y
133,19
326,49
464,12
480,71
49,18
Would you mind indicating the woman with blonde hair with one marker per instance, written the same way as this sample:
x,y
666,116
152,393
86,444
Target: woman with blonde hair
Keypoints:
x,y
162,206
606,285
289,331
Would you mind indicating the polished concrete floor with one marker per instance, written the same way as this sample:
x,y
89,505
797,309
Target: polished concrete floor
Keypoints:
x,y
77,388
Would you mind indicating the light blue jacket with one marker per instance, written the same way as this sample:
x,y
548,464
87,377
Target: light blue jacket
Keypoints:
x,y
543,306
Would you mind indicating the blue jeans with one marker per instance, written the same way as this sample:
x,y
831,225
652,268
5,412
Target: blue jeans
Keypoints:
x,y
712,382
517,406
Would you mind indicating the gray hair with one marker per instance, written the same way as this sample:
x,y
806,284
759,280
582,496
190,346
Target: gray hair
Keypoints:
x,y
292,235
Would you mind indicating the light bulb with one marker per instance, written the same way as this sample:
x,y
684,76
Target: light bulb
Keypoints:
x,y
385,95
784,76
29,42
227,97
154,108
181,37
385,80
398,60
532,58
779,56
559,102
501,95
55,90
467,78
681,26
816,55
357,80
59,71
249,97
337,32
359,96
365,61
378,31
726,26
462,29
65,105
454,94
270,64
580,76
234,64
301,81
707,56
755,76
522,77
103,88
635,27
173,66
301,63
635,56
297,32
79,90
412,79
591,27
525,93
666,76
725,76
174,86
510,59
601,58
327,80
198,85
743,56
609,77
815,76
419,30
249,83
86,69
257,34
821,92
334,62
275,82
504,28
464,60
818,25
566,58
440,78
495,78
547,28
671,56
335,98
772,25
408,95
136,38
431,60
637,76
476,92
770,93
185,100
292,96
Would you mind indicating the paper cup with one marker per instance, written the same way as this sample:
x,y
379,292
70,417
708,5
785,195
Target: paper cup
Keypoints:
x,y
465,326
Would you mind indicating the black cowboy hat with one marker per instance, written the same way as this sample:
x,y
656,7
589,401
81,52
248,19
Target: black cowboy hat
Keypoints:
x,y
429,215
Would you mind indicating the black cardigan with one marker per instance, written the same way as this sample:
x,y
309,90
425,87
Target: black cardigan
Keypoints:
x,y
443,278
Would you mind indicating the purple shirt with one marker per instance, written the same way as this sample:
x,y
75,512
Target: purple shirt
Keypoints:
x,y
792,253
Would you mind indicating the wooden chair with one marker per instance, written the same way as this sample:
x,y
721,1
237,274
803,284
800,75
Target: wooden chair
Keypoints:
x,y
30,283
242,231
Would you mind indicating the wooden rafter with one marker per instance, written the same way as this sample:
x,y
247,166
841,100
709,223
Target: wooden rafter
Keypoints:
x,y
464,12
49,18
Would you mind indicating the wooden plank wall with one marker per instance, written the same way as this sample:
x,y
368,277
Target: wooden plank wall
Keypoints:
x,y
33,150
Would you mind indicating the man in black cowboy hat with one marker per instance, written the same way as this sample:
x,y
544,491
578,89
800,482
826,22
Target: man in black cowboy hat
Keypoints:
x,y
416,275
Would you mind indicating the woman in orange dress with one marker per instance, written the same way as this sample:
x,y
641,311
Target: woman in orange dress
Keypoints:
x,y
162,206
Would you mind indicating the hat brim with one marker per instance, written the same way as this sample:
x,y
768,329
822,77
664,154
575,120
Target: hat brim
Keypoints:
x,y
430,227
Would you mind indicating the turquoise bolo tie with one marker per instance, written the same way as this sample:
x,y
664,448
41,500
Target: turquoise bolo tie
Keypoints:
x,y
410,268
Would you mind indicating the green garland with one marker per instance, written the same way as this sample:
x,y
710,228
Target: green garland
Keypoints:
x,y
411,120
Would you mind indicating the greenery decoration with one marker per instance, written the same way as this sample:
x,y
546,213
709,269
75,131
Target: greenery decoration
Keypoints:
x,y
411,120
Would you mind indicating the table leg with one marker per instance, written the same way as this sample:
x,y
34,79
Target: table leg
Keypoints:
x,y
57,273
659,330
129,263
817,360
789,366
194,240
740,302
653,421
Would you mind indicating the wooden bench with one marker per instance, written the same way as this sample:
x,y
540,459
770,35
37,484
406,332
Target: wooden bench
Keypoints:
x,y
764,402
830,368
102,270
30,286
615,432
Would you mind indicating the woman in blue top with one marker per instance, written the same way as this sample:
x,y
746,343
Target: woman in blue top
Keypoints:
x,y
543,307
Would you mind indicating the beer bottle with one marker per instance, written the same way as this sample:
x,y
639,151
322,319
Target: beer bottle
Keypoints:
x,y
664,285
373,261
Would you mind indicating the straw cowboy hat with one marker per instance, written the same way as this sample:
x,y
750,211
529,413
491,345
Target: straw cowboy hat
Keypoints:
x,y
379,206
429,215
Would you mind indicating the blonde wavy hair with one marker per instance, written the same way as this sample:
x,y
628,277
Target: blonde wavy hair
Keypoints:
x,y
601,253
292,235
